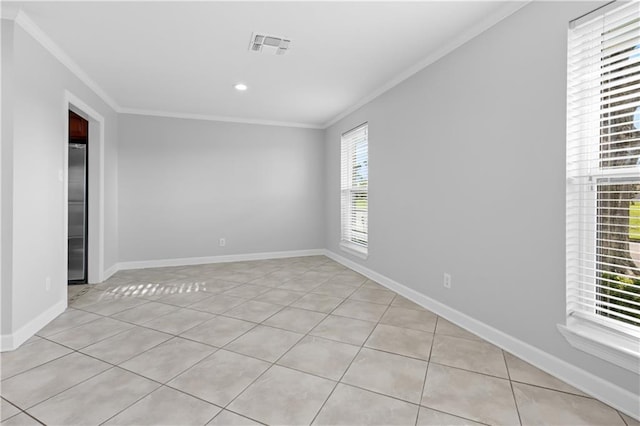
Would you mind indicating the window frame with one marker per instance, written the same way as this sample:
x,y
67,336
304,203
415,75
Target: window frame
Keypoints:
x,y
606,338
347,191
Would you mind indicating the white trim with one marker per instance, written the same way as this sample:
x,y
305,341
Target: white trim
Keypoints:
x,y
224,119
31,28
602,342
95,267
354,249
218,259
607,392
41,37
509,8
9,342
110,271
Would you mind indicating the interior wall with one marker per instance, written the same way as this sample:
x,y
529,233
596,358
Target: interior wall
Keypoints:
x,y
184,184
6,178
467,176
38,157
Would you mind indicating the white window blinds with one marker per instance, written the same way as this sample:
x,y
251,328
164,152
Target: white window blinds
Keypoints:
x,y
354,188
603,168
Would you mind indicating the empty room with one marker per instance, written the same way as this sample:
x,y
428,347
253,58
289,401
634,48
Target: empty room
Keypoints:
x,y
188,236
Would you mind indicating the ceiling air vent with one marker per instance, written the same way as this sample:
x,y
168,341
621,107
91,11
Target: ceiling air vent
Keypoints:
x,y
269,44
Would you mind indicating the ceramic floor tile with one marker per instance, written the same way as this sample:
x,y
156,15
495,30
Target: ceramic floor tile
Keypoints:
x,y
227,418
247,291
283,396
402,341
410,318
90,333
42,382
316,275
32,339
90,297
352,406
68,319
126,345
321,357
294,319
521,371
317,302
449,329
221,377
375,286
474,355
95,400
544,406
253,311
360,310
266,343
7,410
301,285
335,290
629,421
475,396
344,329
110,307
429,417
218,331
178,321
280,297
402,302
372,295
144,313
268,281
386,373
184,299
218,304
166,406
168,359
348,278
218,286
29,356
21,419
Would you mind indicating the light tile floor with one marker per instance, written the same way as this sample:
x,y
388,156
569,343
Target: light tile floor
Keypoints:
x,y
289,342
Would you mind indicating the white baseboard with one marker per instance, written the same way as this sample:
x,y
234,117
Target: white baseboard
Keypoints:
x,y
9,342
109,272
607,392
217,259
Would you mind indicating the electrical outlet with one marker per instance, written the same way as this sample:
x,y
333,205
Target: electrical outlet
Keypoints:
x,y
47,283
447,280
223,242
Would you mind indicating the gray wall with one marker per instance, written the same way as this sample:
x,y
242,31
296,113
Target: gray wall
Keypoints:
x,y
184,184
467,176
33,233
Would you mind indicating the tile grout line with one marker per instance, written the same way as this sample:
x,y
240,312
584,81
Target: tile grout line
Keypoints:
x,y
350,364
424,381
513,394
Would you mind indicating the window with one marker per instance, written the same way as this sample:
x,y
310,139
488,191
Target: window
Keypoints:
x,y
603,184
354,190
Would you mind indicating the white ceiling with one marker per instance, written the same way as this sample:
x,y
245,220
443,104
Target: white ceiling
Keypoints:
x,y
183,58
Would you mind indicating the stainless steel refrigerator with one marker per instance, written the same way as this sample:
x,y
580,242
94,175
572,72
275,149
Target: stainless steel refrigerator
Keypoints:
x,y
77,264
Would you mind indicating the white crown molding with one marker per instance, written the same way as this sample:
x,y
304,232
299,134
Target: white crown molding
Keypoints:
x,y
41,37
509,8
22,19
204,117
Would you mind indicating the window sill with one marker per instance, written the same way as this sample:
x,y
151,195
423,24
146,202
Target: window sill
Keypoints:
x,y
354,249
607,344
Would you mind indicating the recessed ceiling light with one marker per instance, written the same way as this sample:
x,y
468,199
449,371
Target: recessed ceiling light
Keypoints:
x,y
241,87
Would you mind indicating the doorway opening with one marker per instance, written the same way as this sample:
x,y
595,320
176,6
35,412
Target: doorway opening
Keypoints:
x,y
78,196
